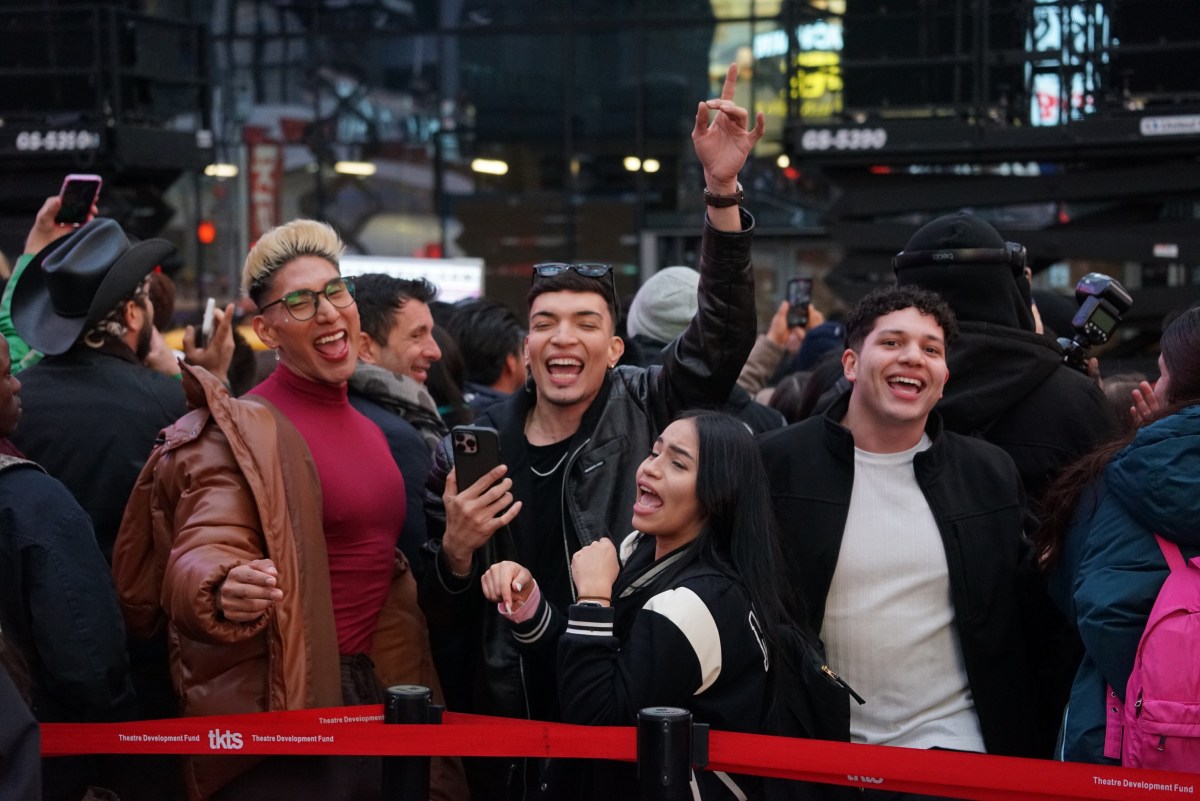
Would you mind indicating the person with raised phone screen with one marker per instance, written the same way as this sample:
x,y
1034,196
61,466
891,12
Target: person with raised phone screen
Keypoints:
x,y
571,441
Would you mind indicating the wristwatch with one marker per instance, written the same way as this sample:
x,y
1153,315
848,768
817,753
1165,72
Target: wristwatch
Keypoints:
x,y
724,201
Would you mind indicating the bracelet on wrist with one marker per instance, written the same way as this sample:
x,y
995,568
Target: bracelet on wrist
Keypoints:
x,y
603,598
724,201
455,573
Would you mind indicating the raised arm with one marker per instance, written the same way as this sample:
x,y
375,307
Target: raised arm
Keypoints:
x,y
723,144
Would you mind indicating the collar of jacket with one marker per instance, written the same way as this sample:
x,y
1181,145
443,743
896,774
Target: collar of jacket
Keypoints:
x,y
841,440
509,415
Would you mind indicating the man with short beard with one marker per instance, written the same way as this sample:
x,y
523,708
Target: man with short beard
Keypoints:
x,y
92,408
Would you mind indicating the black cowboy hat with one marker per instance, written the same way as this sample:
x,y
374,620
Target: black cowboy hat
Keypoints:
x,y
75,281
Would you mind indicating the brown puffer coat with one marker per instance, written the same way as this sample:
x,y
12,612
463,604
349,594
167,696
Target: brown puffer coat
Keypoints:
x,y
233,481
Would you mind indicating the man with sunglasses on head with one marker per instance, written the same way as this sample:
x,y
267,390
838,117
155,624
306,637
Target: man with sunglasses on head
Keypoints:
x,y
571,442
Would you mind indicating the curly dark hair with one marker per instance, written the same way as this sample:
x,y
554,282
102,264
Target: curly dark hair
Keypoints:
x,y
879,302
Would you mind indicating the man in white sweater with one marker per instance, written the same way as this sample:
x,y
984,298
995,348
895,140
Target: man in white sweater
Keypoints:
x,y
905,542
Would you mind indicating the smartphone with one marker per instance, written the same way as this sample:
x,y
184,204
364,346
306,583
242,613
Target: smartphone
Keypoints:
x,y
476,452
799,295
78,195
206,326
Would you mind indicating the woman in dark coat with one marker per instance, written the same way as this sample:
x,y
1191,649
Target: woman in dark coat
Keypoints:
x,y
1098,543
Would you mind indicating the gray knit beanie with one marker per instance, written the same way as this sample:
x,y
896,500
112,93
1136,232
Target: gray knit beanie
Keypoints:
x,y
664,305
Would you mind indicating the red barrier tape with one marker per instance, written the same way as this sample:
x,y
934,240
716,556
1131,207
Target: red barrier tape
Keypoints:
x,y
359,730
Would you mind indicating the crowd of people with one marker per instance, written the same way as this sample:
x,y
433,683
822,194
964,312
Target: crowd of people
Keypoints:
x,y
911,525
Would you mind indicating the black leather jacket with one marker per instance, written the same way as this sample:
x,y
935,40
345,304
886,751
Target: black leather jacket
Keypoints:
x,y
481,668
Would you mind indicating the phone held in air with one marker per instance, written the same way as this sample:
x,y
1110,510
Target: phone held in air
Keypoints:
x,y
78,195
799,295
206,326
476,452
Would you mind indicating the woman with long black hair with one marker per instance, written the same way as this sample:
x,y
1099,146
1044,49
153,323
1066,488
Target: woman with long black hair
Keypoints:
x,y
689,617
1097,541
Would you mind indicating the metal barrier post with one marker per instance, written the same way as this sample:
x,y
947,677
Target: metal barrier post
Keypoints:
x,y
664,754
407,778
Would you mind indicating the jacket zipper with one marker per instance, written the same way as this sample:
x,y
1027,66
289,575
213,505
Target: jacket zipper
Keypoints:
x,y
838,680
562,504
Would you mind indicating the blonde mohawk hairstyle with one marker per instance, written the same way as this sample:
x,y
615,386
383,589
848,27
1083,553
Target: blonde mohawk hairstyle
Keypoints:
x,y
285,243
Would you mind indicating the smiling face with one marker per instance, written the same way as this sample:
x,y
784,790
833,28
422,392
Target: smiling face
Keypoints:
x,y
898,375
10,389
570,346
410,348
323,348
667,506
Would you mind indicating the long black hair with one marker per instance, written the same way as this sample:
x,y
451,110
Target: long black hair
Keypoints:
x,y
739,534
1180,344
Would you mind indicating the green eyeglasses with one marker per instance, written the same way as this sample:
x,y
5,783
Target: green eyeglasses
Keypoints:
x,y
302,304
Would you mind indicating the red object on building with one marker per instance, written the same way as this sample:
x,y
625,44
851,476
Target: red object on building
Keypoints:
x,y
265,157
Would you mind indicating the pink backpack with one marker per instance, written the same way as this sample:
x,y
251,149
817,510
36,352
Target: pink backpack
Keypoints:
x,y
1159,724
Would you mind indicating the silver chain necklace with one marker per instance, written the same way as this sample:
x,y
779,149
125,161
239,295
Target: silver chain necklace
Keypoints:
x,y
552,470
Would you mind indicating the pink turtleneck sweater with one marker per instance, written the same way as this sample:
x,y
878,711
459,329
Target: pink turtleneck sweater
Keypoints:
x,y
362,494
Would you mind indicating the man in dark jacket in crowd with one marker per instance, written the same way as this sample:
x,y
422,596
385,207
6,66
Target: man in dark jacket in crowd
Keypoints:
x,y
572,439
398,350
492,343
93,409
904,541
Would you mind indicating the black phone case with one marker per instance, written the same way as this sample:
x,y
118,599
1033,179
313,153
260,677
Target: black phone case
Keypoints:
x,y
476,451
77,200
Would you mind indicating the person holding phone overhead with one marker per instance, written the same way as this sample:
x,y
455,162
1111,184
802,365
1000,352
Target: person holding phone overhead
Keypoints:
x,y
53,222
572,440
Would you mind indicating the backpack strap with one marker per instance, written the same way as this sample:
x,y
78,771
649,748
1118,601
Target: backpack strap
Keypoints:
x,y
1114,723
1171,552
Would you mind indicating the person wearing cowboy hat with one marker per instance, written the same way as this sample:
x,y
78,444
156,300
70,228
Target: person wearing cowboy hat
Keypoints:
x,y
92,409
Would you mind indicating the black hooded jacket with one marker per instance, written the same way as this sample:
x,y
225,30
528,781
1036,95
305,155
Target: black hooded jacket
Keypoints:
x,y
1011,387
1009,384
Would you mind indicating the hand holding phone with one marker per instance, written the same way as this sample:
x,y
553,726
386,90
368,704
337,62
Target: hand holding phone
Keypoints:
x,y
78,195
799,295
204,335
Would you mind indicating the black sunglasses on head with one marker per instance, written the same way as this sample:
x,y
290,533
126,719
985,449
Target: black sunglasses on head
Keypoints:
x,y
550,269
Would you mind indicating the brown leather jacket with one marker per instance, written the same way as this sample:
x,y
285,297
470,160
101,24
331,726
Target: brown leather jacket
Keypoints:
x,y
230,482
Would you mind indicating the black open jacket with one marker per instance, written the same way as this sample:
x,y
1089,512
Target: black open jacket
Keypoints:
x,y
978,502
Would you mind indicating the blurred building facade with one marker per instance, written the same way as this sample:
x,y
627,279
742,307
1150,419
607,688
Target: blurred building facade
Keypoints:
x,y
518,131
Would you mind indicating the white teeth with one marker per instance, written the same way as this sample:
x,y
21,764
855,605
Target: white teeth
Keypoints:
x,y
331,338
902,380
564,362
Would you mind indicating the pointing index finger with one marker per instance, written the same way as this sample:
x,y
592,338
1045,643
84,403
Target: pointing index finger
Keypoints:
x,y
730,82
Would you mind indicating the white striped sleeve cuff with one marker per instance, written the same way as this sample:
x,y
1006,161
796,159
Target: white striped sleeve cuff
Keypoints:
x,y
590,621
